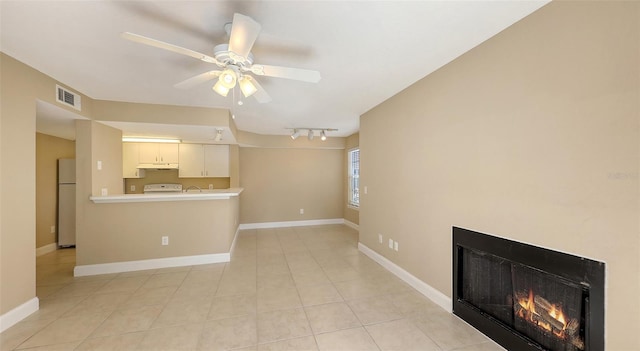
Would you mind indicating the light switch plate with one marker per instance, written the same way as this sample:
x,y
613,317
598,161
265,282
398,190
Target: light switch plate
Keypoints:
x,y
395,245
380,238
99,165
133,188
390,244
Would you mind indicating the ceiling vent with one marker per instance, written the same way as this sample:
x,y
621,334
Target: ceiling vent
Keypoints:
x,y
68,97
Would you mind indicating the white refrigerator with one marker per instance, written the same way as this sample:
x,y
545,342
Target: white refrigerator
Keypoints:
x,y
66,202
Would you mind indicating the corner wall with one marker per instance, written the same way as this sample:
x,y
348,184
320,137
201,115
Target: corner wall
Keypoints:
x,y
20,87
533,136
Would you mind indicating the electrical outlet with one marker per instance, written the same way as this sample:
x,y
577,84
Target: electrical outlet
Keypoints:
x,y
210,186
390,244
104,192
302,211
133,188
53,229
395,245
165,240
99,165
380,238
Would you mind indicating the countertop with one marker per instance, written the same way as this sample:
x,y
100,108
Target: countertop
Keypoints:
x,y
191,195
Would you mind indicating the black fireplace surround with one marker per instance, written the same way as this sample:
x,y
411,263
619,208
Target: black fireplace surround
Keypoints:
x,y
526,297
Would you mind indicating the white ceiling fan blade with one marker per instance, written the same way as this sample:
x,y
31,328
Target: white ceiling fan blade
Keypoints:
x,y
287,72
244,32
261,94
166,46
199,79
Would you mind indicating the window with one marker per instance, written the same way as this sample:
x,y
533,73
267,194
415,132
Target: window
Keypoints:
x,y
354,177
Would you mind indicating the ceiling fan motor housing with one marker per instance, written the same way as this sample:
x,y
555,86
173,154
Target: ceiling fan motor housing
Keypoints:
x,y
222,54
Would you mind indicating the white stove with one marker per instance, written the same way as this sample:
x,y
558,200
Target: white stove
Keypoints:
x,y
162,188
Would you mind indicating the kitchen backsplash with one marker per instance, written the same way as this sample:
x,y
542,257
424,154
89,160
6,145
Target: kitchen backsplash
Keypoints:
x,y
171,176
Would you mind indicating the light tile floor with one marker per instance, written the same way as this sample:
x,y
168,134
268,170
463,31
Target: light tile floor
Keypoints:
x,y
303,288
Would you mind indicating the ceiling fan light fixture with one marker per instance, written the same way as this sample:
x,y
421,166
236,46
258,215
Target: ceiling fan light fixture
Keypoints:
x,y
221,89
228,78
247,86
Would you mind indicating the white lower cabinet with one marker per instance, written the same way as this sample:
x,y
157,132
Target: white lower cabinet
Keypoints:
x,y
198,161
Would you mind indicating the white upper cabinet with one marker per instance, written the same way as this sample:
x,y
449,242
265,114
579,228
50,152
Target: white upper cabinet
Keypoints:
x,y
158,153
191,161
198,161
130,161
216,160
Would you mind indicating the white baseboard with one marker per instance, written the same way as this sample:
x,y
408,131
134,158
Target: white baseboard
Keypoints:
x,y
129,266
425,289
19,313
351,225
291,223
46,249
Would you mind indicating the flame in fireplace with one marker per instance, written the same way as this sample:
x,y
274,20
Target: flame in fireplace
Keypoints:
x,y
547,316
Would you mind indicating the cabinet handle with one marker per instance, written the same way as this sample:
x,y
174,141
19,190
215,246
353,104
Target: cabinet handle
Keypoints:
x,y
136,173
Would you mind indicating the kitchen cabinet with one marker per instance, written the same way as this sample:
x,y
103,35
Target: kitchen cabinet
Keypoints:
x,y
130,161
158,153
198,161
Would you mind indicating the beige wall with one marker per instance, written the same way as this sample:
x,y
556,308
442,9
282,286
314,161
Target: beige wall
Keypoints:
x,y
532,136
20,86
279,182
350,214
163,114
48,150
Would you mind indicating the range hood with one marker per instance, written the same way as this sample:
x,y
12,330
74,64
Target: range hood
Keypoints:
x,y
157,166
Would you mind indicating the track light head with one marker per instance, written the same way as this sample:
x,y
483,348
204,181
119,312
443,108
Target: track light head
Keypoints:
x,y
310,135
323,136
295,134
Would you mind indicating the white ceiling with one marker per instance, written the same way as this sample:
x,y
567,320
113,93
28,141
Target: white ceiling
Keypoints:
x,y
365,51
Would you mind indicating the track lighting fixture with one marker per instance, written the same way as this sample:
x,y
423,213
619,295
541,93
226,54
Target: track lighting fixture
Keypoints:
x,y
295,132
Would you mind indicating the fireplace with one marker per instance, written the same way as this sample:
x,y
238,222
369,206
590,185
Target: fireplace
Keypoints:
x,y
526,297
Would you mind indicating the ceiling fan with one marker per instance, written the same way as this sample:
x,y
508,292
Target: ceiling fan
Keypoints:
x,y
234,60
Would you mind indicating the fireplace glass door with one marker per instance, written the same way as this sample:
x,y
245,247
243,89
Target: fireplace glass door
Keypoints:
x,y
543,307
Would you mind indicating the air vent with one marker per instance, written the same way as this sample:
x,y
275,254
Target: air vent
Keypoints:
x,y
67,97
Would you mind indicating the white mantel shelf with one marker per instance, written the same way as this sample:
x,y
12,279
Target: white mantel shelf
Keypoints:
x,y
217,194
